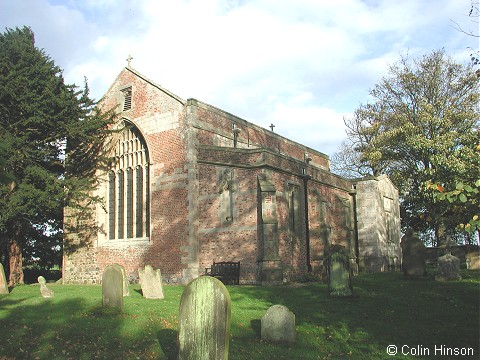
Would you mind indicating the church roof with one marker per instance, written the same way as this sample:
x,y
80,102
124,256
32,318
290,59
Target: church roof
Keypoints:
x,y
159,87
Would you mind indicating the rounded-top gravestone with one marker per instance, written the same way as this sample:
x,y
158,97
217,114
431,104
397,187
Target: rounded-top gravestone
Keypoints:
x,y
278,325
113,283
204,320
338,272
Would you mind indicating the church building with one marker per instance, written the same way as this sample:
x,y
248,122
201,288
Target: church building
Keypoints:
x,y
191,184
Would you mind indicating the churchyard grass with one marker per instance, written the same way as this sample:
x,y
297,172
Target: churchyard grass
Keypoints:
x,y
418,315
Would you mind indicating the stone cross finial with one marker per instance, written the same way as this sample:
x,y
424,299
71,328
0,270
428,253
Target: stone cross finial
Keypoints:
x,y
271,127
129,60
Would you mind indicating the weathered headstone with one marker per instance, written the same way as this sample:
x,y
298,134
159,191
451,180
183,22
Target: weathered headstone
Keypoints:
x,y
126,291
473,261
3,281
413,255
448,268
278,325
204,320
151,282
338,270
113,283
44,290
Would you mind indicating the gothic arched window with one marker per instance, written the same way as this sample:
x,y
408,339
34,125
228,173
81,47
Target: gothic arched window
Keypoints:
x,y
128,189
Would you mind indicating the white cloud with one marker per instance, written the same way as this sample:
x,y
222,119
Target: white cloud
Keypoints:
x,y
319,128
301,64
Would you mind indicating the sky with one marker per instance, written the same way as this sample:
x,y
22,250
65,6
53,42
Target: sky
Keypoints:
x,y
302,65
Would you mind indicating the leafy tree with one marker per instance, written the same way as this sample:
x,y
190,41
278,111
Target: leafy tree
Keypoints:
x,y
52,138
468,196
422,128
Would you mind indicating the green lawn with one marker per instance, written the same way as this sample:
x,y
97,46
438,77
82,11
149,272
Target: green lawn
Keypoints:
x,y
386,310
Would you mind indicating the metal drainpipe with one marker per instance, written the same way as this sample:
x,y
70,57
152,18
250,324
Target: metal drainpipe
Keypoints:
x,y
307,226
355,225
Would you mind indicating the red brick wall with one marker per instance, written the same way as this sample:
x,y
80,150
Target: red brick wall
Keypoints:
x,y
190,144
220,240
168,189
217,122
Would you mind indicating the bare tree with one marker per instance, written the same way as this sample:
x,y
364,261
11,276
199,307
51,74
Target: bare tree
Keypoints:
x,y
473,15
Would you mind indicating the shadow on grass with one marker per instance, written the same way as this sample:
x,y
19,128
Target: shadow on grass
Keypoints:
x,y
58,329
67,326
385,310
256,325
138,291
168,342
6,302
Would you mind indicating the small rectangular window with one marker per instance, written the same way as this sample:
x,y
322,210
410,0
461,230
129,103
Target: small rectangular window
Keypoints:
x,y
127,98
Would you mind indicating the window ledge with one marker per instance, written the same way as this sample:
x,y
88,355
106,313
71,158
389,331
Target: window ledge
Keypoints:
x,y
125,242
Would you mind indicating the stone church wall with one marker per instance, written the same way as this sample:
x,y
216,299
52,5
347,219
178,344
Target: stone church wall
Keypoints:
x,y
378,216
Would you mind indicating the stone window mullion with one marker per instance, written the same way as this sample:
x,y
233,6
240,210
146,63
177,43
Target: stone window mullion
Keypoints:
x,y
112,202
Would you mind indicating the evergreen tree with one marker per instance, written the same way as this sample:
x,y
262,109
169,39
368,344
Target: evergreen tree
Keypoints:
x,y
53,140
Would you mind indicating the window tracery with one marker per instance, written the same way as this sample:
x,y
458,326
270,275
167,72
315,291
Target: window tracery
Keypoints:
x,y
128,187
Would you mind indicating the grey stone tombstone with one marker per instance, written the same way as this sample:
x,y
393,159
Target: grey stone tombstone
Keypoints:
x,y
204,320
151,282
126,291
278,325
472,260
413,255
113,283
338,270
44,290
3,281
448,268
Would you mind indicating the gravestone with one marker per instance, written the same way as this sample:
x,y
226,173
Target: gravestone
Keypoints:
x,y
278,325
204,320
151,282
44,290
413,255
338,272
113,283
3,281
448,268
473,261
126,291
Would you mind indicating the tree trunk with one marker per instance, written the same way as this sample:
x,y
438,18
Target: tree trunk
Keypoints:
x,y
16,263
440,236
